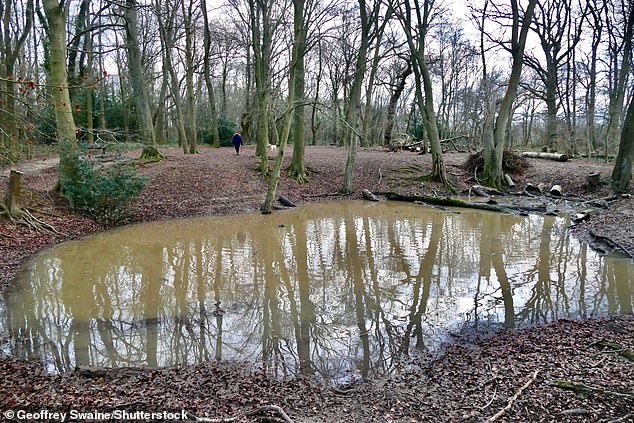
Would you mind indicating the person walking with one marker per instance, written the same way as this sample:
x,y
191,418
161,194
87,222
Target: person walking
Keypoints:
x,y
237,142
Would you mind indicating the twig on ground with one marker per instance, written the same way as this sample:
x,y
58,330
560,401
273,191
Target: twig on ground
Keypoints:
x,y
514,398
264,409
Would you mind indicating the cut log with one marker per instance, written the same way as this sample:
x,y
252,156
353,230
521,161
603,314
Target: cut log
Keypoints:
x,y
533,189
547,156
367,195
556,191
593,180
509,180
285,201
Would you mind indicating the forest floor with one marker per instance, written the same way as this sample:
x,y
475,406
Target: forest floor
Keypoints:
x,y
507,376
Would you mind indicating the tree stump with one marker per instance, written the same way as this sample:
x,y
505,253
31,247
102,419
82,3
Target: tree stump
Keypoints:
x,y
12,198
593,180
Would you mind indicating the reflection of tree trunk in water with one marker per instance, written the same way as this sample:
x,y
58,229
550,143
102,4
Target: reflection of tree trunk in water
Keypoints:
x,y
583,277
505,286
623,289
76,297
105,324
374,303
31,339
484,269
426,268
180,307
540,303
271,313
306,306
201,291
564,257
611,291
217,300
422,280
80,331
358,289
152,279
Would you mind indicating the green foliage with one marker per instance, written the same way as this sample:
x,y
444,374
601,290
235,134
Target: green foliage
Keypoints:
x,y
103,196
226,129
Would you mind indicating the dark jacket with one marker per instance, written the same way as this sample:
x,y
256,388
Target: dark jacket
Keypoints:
x,y
237,139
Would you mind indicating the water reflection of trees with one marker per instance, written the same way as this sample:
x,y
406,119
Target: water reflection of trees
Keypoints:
x,y
347,293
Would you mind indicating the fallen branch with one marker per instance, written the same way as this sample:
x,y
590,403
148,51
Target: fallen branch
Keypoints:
x,y
583,389
285,201
447,202
260,410
514,398
548,156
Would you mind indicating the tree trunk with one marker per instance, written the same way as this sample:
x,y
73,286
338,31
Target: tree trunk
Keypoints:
x,y
190,110
68,151
493,173
354,104
137,80
622,172
11,44
299,46
12,198
215,136
297,169
394,98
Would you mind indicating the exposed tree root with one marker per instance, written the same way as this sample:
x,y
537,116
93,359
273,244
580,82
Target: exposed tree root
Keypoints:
x,y
24,217
283,417
583,389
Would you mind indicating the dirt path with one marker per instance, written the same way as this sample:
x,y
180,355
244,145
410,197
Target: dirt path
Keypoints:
x,y
470,382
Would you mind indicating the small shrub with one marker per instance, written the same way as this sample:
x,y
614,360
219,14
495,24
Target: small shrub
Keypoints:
x,y
103,196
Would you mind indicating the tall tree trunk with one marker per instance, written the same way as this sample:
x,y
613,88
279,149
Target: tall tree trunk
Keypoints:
x,y
215,136
493,173
618,75
354,104
297,168
68,151
262,44
190,109
11,44
622,172
299,46
137,80
168,36
394,98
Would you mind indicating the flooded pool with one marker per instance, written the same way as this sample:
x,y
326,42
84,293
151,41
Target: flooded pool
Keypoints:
x,y
338,290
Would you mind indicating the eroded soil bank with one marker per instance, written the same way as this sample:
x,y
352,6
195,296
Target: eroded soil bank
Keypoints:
x,y
513,372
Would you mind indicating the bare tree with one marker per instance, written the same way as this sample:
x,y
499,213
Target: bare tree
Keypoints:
x,y
215,137
416,32
622,172
56,29
13,36
551,23
495,127
137,80
618,25
299,40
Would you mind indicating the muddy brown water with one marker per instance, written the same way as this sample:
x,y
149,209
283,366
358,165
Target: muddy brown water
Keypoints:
x,y
339,290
